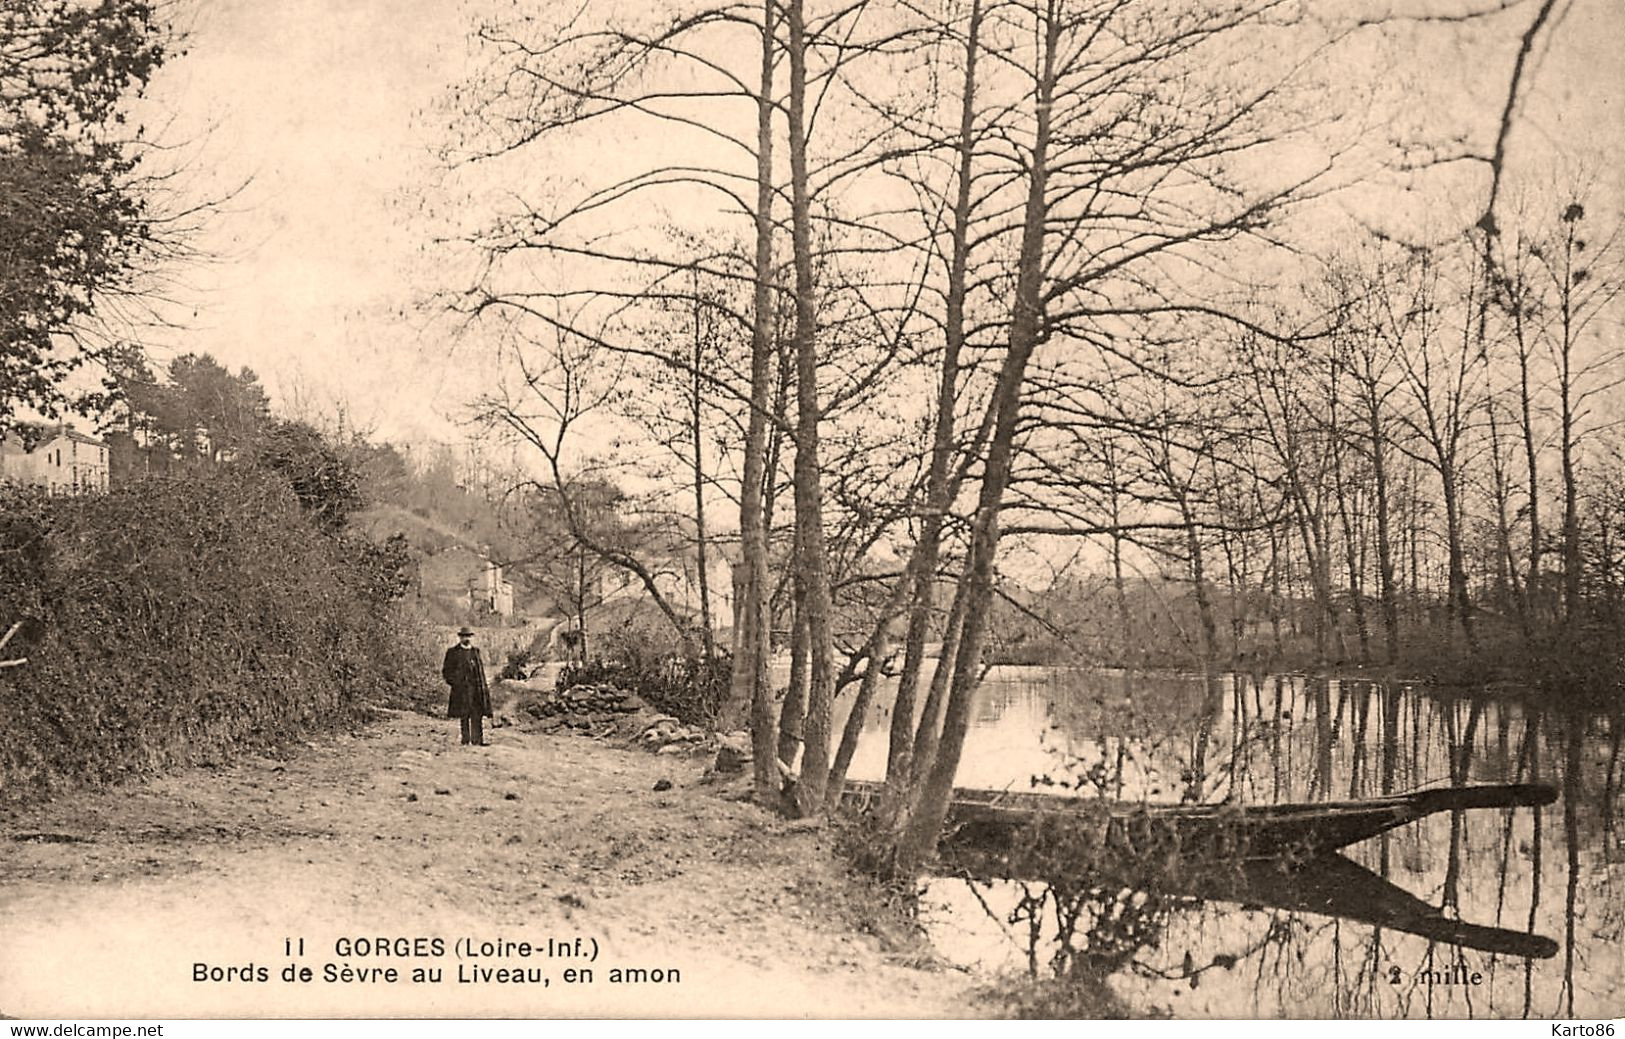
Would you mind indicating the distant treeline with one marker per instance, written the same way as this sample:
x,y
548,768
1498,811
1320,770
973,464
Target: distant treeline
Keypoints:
x,y
1157,625
195,412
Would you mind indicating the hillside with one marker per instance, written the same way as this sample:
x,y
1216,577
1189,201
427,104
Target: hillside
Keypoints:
x,y
448,562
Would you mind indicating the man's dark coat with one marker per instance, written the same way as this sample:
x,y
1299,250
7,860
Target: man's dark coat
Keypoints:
x,y
465,673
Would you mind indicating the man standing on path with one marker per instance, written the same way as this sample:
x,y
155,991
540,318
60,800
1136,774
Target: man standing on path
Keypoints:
x,y
470,696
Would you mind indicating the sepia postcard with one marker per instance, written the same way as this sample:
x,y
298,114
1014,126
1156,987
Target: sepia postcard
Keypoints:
x,y
780,509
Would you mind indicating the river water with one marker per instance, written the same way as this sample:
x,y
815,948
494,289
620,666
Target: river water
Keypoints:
x,y
1432,920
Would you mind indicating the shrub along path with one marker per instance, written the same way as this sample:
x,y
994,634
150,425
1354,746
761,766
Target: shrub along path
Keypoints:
x,y
110,899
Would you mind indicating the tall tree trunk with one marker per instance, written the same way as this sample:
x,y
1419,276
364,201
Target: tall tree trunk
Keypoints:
x,y
1456,580
701,550
1412,535
923,564
875,650
813,564
1212,692
1122,636
924,823
1566,439
750,683
1526,413
1385,540
1350,549
793,712
1506,564
1305,511
1119,593
1233,573
1276,563
928,732
1206,619
581,604
1309,523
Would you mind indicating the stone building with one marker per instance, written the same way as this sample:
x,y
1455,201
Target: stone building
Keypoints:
x,y
490,592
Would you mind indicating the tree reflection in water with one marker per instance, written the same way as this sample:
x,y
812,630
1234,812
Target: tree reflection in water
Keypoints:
x,y
1428,907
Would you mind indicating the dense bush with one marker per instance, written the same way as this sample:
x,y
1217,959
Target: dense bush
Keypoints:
x,y
517,665
322,477
692,689
181,617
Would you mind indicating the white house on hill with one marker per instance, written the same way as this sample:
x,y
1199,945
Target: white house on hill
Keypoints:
x,y
63,461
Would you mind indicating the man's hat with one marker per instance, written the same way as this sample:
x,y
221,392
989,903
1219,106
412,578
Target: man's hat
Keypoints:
x,y
464,630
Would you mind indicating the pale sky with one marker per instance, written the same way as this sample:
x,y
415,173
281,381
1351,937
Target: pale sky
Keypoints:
x,y
318,263
321,261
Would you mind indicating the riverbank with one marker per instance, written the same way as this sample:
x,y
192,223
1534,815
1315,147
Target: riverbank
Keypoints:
x,y
112,898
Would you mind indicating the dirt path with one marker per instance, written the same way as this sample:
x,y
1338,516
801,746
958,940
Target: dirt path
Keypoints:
x,y
108,900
